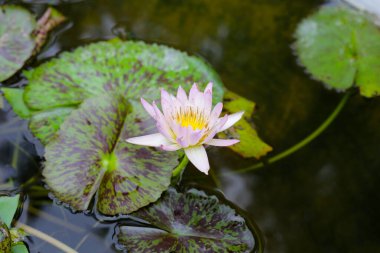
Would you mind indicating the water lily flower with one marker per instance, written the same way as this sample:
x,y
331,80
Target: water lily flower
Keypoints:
x,y
188,123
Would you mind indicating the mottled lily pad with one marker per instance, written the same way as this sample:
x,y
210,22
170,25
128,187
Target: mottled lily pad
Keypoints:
x,y
16,42
90,156
21,36
340,46
186,222
250,144
134,69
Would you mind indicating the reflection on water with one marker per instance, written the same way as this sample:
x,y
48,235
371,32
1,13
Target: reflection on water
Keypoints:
x,y
324,198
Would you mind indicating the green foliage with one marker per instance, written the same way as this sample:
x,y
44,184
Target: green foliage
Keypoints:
x,y
250,144
5,238
90,156
19,248
341,47
16,98
8,208
10,240
186,222
16,42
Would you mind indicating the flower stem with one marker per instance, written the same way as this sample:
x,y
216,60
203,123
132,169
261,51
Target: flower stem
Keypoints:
x,y
34,232
305,141
181,166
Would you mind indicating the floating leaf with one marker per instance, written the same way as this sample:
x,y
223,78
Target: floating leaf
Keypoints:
x,y
21,36
90,156
134,69
341,47
19,248
8,208
9,242
250,144
186,222
16,98
16,42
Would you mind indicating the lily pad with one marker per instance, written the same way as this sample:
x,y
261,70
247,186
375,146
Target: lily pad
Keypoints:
x,y
134,69
8,239
340,46
186,222
16,42
90,156
8,208
250,144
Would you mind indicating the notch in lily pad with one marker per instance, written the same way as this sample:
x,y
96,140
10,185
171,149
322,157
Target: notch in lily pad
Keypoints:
x,y
10,238
340,46
21,36
189,221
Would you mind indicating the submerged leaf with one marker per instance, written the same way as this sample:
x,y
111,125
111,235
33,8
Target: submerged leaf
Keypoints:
x,y
341,47
250,144
186,222
90,156
16,42
8,208
134,69
5,238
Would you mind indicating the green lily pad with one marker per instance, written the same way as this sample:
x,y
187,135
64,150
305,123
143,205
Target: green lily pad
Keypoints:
x,y
19,248
16,42
250,144
341,47
90,156
8,208
186,222
134,69
9,242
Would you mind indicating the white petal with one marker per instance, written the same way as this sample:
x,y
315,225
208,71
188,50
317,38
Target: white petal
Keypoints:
x,y
148,107
198,156
222,143
165,102
193,93
152,140
216,112
208,99
232,119
181,94
171,147
208,88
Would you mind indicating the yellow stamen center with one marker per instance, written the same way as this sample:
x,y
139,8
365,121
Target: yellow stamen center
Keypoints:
x,y
191,117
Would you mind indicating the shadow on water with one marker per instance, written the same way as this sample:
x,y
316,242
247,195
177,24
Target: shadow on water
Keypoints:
x,y
324,198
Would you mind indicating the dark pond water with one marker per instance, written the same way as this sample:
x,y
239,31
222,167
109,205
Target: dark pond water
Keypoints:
x,y
324,198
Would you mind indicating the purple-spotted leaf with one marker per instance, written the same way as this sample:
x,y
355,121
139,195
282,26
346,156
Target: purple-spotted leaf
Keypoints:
x,y
90,157
21,36
250,144
134,69
16,42
186,222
